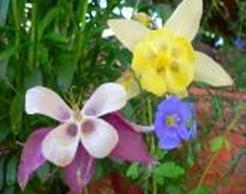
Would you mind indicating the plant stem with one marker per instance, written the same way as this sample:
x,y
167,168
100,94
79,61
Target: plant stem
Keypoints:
x,y
152,143
80,32
214,155
33,47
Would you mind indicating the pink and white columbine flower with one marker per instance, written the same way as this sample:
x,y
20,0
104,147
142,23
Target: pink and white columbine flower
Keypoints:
x,y
96,131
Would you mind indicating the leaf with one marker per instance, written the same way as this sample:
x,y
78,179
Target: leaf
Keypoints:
x,y
3,68
48,18
218,143
169,170
11,171
4,132
202,190
173,189
2,171
240,70
16,113
4,7
65,72
34,78
133,171
43,172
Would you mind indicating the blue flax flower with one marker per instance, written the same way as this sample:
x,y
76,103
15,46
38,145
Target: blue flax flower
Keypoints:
x,y
174,122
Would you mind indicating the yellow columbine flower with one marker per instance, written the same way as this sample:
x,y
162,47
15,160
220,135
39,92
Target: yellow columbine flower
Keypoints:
x,y
163,59
164,62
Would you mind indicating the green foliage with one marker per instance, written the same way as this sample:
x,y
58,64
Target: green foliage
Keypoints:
x,y
59,44
133,171
218,143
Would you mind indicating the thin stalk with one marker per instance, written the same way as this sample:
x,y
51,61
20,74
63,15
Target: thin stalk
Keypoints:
x,y
33,47
232,124
152,143
81,32
16,22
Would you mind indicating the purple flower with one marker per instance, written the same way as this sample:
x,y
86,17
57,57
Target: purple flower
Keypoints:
x,y
174,122
239,42
94,132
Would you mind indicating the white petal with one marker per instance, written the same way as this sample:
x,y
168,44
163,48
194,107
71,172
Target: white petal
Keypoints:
x,y
210,72
107,98
185,20
98,137
129,32
60,145
46,102
130,84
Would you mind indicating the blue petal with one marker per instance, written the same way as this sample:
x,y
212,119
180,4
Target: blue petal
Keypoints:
x,y
169,140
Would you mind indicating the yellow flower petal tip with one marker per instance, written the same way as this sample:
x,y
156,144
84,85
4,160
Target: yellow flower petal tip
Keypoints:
x,y
128,32
209,71
164,62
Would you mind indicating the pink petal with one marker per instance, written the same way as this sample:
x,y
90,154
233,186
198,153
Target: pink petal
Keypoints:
x,y
131,146
31,157
41,100
78,174
107,98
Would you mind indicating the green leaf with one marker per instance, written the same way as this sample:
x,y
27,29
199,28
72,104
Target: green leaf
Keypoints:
x,y
65,73
43,172
4,132
48,18
169,170
173,189
133,171
201,190
34,78
218,143
2,171
3,68
11,171
4,7
16,113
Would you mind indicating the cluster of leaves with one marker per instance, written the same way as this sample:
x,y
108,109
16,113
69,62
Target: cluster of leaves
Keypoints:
x,y
59,44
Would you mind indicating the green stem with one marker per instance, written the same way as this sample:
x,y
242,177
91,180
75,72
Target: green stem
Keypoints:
x,y
17,22
152,143
33,47
80,32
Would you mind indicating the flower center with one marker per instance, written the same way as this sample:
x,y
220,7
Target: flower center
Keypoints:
x,y
172,120
167,56
77,115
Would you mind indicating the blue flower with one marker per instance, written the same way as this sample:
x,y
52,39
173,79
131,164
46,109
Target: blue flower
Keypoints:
x,y
174,122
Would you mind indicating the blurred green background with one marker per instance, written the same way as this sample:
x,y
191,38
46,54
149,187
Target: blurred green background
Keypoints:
x,y
63,45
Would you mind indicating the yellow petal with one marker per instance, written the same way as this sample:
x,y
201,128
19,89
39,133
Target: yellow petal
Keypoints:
x,y
153,82
128,32
129,82
185,20
210,72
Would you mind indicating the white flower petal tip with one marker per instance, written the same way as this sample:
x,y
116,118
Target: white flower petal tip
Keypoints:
x,y
44,101
185,20
129,32
209,71
107,98
128,81
60,145
98,137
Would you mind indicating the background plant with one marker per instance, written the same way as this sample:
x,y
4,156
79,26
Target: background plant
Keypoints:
x,y
59,44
